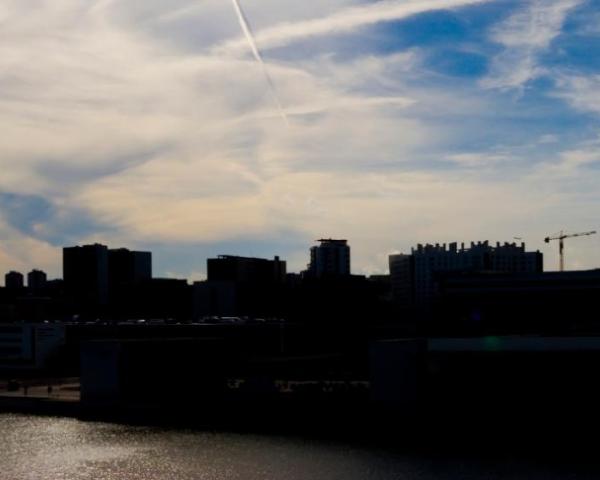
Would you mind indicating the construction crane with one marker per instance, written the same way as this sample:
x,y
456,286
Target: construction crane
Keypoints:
x,y
561,243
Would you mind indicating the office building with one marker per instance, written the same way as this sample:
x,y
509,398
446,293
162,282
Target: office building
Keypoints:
x,y
126,267
27,346
414,275
329,258
241,286
13,280
36,280
85,273
128,272
229,268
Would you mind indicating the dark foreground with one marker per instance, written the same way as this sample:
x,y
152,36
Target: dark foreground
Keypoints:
x,y
545,435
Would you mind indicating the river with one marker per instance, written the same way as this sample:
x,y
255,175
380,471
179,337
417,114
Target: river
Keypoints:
x,y
39,448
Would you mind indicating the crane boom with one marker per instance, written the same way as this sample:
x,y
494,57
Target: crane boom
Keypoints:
x,y
547,239
561,243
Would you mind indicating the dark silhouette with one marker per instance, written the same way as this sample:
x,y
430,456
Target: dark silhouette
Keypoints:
x,y
13,280
329,258
481,327
85,271
36,281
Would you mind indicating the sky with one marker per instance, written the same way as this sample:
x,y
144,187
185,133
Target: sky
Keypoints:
x,y
152,125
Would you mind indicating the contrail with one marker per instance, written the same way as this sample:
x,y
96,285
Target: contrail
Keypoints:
x,y
256,52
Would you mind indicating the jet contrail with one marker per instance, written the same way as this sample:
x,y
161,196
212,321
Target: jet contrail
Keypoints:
x,y
256,52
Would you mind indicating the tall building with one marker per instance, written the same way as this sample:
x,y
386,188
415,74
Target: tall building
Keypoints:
x,y
414,275
126,267
13,280
36,280
129,279
330,258
85,273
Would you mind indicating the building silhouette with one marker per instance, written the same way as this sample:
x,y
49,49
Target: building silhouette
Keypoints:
x,y
240,286
127,267
36,281
129,276
96,277
414,275
494,303
166,299
230,268
13,280
85,273
329,258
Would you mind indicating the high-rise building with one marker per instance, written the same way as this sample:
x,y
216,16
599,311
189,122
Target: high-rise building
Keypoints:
x,y
36,280
414,275
330,258
13,280
129,279
126,267
85,273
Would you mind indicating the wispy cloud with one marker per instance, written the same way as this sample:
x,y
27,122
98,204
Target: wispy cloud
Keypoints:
x,y
580,91
478,160
524,36
111,115
343,21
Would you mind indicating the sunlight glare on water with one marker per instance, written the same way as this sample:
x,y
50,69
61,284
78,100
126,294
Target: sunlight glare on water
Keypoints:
x,y
56,448
37,448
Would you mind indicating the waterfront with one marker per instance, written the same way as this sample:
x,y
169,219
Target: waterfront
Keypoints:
x,y
36,447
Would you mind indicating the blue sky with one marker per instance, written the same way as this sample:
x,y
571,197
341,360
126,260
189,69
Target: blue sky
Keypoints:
x,y
151,125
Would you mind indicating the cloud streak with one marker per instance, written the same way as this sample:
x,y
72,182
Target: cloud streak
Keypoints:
x,y
346,20
256,52
112,117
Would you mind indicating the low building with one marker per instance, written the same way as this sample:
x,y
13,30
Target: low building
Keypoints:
x,y
29,345
231,268
553,303
241,286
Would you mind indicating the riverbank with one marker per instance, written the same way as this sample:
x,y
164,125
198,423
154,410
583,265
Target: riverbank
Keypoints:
x,y
491,433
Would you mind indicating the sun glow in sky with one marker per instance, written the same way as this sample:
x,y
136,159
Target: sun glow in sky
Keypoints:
x,y
151,125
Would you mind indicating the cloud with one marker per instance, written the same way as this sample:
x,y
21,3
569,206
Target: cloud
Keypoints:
x,y
573,162
548,139
580,91
37,217
342,21
123,126
478,160
110,127
23,252
524,36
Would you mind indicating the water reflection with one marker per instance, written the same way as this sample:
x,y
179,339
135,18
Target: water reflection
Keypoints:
x,y
53,448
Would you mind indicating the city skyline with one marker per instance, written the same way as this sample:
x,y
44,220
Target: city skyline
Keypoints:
x,y
152,126
306,267
329,261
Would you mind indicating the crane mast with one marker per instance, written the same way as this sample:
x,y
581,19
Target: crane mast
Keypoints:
x,y
561,243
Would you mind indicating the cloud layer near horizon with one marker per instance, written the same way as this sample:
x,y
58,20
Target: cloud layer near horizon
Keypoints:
x,y
150,125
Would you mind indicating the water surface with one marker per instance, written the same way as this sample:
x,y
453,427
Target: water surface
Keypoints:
x,y
37,448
